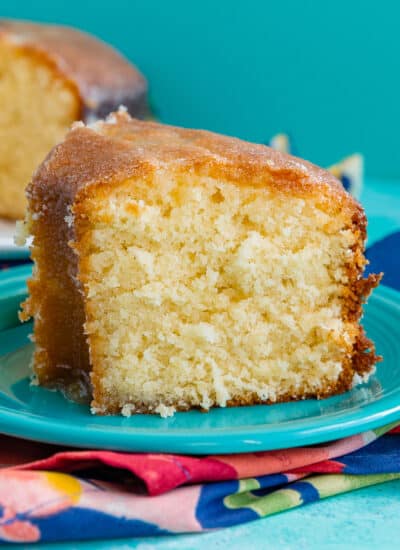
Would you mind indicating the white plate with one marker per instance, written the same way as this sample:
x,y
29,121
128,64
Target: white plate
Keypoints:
x,y
8,249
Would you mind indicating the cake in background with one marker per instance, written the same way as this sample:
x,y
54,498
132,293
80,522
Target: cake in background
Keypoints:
x,y
52,76
179,268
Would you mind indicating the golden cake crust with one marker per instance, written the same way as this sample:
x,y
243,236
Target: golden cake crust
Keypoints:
x,y
125,147
91,159
102,77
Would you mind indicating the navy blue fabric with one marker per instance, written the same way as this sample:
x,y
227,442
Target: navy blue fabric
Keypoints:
x,y
211,511
384,255
379,457
82,523
307,491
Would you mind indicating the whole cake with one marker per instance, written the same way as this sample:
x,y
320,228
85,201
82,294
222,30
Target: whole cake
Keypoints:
x,y
51,76
179,268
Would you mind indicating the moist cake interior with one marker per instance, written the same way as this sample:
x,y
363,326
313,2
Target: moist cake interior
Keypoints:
x,y
210,293
178,269
37,107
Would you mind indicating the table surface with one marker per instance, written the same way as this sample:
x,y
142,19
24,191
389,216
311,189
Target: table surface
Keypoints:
x,y
367,518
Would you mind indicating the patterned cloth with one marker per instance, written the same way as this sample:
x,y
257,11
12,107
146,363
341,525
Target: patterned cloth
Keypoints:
x,y
53,494
113,494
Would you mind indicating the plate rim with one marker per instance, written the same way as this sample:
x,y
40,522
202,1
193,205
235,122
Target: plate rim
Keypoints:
x,y
234,439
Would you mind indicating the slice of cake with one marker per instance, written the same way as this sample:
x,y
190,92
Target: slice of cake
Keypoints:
x,y
178,268
51,76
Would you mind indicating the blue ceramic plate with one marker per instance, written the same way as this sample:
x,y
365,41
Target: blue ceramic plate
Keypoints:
x,y
43,415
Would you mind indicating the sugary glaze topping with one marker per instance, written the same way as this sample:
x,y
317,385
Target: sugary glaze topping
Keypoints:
x,y
122,147
102,75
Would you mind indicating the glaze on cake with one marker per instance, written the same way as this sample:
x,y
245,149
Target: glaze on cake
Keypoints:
x,y
179,268
52,76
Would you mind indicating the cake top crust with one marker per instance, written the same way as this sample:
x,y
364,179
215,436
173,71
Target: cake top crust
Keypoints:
x,y
109,152
100,73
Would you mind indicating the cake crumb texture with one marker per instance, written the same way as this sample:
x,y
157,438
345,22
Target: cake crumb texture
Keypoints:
x,y
210,292
194,271
51,76
37,107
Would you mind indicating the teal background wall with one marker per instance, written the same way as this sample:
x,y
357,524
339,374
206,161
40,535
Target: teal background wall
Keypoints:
x,y
326,72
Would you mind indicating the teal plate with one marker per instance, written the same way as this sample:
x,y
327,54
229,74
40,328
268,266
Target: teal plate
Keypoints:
x,y
43,415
